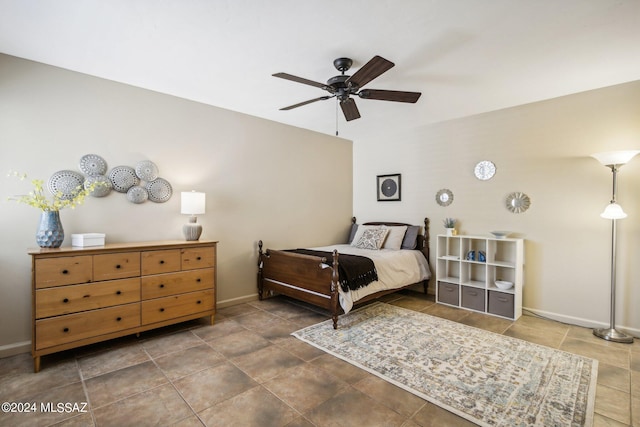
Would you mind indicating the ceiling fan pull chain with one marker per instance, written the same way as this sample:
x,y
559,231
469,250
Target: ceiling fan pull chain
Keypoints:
x,y
337,116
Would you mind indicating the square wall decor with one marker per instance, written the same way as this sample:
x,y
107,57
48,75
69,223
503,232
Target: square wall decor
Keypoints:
x,y
388,187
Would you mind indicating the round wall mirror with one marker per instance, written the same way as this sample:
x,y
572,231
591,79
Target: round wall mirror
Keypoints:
x,y
518,202
444,197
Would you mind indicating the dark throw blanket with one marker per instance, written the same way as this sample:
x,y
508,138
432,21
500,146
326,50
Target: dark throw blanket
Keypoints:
x,y
354,271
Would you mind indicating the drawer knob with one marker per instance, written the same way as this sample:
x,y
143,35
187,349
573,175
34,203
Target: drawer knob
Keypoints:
x,y
199,258
65,330
65,271
118,319
161,310
199,302
65,300
198,280
162,285
118,292
118,266
161,261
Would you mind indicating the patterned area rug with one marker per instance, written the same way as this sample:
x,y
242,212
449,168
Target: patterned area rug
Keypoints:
x,y
487,378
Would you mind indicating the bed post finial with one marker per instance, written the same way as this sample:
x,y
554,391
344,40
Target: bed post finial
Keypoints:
x,y
353,220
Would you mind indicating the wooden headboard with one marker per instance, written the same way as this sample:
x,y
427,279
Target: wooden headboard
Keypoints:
x,y
423,238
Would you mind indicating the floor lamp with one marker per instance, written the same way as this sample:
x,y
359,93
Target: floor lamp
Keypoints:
x,y
614,212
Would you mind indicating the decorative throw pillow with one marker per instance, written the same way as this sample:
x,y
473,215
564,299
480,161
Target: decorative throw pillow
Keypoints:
x,y
360,230
395,236
372,239
411,237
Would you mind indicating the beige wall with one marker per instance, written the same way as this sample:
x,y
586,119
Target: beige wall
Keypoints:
x,y
541,149
263,180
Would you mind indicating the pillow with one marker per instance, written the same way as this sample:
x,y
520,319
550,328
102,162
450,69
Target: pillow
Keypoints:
x,y
352,233
372,239
410,240
395,237
360,230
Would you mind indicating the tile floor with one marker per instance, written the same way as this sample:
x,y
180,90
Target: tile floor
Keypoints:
x,y
246,370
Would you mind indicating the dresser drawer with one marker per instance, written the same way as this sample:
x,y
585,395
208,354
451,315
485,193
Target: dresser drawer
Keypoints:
x,y
116,266
76,298
164,261
162,285
74,327
160,309
193,258
63,271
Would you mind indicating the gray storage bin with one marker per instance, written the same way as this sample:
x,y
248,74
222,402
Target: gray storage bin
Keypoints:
x,y
448,293
501,304
473,298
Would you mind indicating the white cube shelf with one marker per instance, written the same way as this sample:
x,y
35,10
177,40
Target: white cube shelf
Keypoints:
x,y
469,282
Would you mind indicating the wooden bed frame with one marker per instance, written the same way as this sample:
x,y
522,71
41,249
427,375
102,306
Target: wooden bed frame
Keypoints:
x,y
302,276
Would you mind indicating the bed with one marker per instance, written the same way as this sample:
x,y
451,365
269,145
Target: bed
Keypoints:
x,y
317,275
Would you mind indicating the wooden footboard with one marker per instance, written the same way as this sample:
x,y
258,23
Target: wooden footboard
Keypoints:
x,y
308,278
303,277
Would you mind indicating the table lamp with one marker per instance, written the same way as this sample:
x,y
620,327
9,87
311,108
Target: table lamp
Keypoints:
x,y
192,203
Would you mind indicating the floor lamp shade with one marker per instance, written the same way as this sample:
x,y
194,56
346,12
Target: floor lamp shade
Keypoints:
x,y
192,203
613,160
615,157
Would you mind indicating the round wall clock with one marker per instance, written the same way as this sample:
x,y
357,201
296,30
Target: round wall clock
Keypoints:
x,y
485,170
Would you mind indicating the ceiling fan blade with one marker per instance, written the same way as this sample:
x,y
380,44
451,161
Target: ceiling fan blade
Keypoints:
x,y
390,95
369,71
301,80
350,109
300,104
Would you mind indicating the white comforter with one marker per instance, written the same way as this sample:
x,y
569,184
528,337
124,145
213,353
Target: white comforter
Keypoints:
x,y
396,268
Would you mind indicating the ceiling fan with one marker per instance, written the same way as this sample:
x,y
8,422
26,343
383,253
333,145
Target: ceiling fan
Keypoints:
x,y
343,86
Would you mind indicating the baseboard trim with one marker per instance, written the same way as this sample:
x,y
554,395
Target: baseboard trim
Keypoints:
x,y
579,321
236,301
15,348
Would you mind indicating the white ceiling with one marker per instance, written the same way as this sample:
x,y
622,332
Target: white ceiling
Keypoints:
x,y
465,56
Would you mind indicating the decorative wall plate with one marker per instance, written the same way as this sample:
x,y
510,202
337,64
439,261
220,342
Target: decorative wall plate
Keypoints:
x,y
100,190
485,170
123,178
159,190
518,202
66,183
146,170
444,197
137,194
92,165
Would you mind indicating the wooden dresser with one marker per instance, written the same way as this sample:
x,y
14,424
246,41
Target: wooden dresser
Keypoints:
x,y
86,295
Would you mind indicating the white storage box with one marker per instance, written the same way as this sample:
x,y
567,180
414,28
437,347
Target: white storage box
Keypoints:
x,y
87,239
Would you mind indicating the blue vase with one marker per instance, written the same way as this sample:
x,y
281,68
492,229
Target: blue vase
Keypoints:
x,y
50,233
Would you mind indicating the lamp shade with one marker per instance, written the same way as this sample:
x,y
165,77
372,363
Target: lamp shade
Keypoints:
x,y
613,211
615,157
192,202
